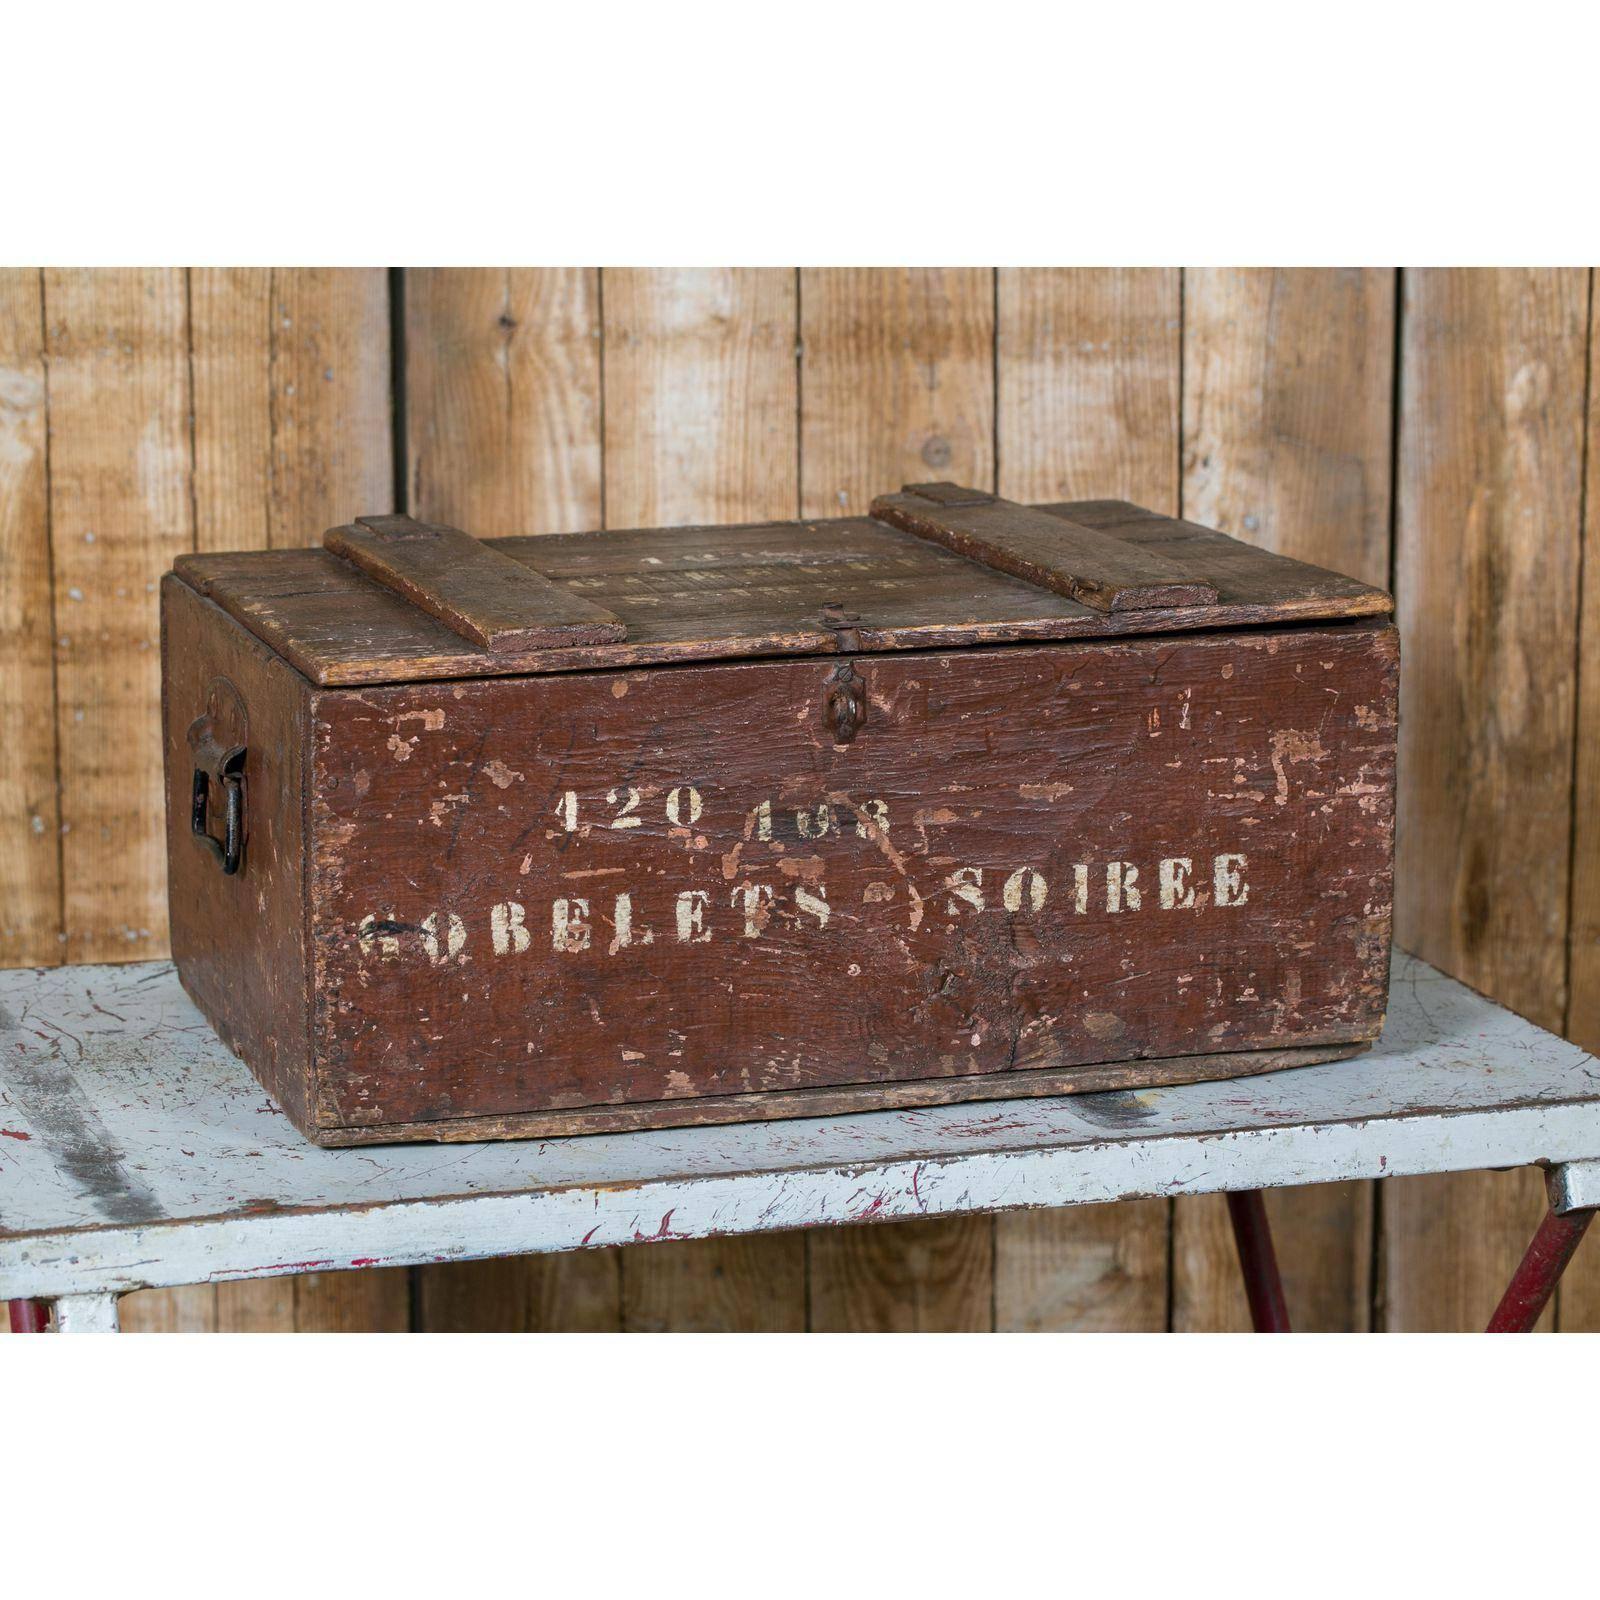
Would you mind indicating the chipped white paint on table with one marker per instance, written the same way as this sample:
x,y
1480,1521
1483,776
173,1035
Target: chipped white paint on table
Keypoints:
x,y
136,1152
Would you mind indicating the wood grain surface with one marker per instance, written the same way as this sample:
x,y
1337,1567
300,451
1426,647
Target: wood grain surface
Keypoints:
x,y
1583,1003
504,606
1287,435
700,396
946,894
289,432
503,398
1489,523
1578,1299
897,382
503,436
701,421
764,589
1100,570
121,508
1085,393
579,1292
1088,398
291,402
897,385
30,821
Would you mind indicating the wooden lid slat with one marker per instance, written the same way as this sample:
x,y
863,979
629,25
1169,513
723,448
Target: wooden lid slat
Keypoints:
x,y
484,595
1093,568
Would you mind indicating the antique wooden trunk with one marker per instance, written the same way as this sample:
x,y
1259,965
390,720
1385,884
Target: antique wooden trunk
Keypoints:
x,y
963,800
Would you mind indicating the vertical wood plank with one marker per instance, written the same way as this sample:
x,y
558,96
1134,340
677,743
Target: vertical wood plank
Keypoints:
x,y
191,1310
117,346
918,1277
353,1302
1583,1006
121,510
1578,1298
576,1293
700,396
1287,411
290,434
332,443
1490,483
897,382
503,410
503,399
1088,408
257,1305
1088,384
230,339
291,403
700,402
897,386
752,1284
30,819
1287,444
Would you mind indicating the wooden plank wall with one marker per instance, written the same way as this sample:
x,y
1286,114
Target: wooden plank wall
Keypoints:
x,y
1429,428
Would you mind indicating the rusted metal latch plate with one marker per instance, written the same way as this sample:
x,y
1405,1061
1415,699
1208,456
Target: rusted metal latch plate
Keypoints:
x,y
845,706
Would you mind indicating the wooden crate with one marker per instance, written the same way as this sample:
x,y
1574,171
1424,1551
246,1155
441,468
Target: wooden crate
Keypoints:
x,y
962,800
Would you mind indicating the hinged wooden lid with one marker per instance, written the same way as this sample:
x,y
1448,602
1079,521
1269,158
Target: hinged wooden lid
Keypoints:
x,y
937,565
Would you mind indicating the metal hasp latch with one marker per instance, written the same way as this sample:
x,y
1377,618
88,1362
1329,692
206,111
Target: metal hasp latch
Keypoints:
x,y
845,708
225,767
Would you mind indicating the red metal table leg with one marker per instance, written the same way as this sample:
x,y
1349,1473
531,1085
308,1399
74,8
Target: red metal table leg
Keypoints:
x,y
1535,1280
29,1316
1269,1311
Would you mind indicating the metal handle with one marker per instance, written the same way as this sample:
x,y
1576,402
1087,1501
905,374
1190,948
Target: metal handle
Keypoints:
x,y
226,768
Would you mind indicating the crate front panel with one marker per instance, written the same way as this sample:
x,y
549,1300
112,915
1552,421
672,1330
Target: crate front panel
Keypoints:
x,y
545,893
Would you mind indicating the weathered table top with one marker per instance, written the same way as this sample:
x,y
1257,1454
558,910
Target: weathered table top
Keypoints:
x,y
136,1151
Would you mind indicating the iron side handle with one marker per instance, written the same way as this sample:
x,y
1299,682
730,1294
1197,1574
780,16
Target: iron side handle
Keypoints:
x,y
225,768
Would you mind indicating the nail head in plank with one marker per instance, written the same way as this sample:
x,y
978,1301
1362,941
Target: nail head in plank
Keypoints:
x,y
481,593
1051,551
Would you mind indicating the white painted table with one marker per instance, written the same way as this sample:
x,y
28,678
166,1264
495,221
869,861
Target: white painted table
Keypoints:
x,y
136,1152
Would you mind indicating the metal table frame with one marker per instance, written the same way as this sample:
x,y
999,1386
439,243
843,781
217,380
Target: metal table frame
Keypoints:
x,y
136,1152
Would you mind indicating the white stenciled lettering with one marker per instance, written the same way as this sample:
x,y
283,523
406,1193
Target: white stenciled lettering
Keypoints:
x,y
508,928
511,926
814,904
692,916
625,817
1122,878
1228,887
763,822
455,937
814,824
756,898
683,806
1025,881
385,943
624,934
873,817
1175,889
569,925
966,885
567,810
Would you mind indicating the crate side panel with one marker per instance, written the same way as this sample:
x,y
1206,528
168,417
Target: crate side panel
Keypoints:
x,y
239,942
